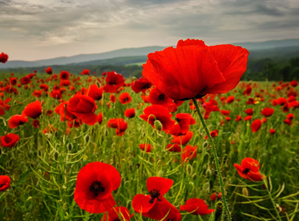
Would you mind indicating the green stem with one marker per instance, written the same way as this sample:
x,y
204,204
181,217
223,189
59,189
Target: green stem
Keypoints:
x,y
271,198
215,158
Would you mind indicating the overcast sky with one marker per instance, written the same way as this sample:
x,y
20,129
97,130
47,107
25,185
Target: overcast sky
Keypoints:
x,y
40,29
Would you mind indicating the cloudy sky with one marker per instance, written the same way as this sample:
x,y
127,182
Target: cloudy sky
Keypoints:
x,y
39,29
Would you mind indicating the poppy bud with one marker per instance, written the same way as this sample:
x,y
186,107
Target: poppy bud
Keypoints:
x,y
87,138
189,169
158,125
205,144
208,173
245,191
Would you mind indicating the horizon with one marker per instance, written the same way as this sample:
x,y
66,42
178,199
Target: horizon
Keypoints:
x,y
34,30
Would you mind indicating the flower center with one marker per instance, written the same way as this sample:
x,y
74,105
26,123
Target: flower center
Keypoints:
x,y
1,185
154,194
161,97
112,83
245,171
96,187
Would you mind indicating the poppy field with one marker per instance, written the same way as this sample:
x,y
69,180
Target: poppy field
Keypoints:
x,y
186,141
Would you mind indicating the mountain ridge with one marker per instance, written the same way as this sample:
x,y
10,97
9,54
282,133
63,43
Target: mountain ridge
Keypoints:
x,y
127,52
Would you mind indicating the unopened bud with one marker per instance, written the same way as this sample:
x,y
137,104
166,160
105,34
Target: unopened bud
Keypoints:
x,y
158,125
245,191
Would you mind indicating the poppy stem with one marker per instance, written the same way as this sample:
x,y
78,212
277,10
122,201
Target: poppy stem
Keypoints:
x,y
215,158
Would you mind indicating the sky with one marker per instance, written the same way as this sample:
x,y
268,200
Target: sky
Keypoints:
x,y
39,29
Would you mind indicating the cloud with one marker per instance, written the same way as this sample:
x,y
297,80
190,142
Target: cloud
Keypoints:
x,y
62,27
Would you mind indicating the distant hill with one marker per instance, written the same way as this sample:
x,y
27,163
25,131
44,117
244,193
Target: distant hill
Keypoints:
x,y
83,57
275,48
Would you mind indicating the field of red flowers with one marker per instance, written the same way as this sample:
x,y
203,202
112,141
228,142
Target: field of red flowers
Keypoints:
x,y
187,141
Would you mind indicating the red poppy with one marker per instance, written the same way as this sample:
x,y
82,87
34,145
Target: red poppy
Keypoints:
x,y
294,104
215,196
225,112
13,81
294,83
290,116
48,70
247,118
3,57
272,131
64,75
264,120
196,207
250,101
213,134
183,139
94,186
36,123
85,72
130,113
125,98
281,101
267,112
121,128
146,147
100,118
63,112
113,98
33,110
154,205
247,91
4,182
4,106
113,123
210,106
113,81
230,99
117,214
255,126
25,80
188,153
200,70
184,120
83,107
173,147
238,118
249,111
9,140
158,113
17,120
288,122
157,97
141,84
291,98
249,169
95,92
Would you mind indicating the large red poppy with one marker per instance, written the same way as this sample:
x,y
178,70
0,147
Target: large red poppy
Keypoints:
x,y
154,205
159,113
196,207
83,107
9,140
249,169
193,69
33,110
4,182
94,186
